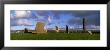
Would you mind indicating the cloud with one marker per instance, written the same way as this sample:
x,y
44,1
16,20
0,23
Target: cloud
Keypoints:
x,y
21,22
84,13
93,27
54,13
64,17
92,18
41,18
42,12
75,20
50,23
20,14
24,22
76,13
49,19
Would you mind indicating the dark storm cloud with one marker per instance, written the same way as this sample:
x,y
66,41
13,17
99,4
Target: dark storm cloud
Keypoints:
x,y
76,13
75,20
84,13
92,18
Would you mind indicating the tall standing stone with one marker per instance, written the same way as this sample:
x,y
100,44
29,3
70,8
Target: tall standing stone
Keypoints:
x,y
40,27
84,24
66,28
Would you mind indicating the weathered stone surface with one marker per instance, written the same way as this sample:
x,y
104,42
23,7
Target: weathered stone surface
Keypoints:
x,y
40,27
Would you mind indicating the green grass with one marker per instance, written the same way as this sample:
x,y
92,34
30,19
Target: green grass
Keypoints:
x,y
55,36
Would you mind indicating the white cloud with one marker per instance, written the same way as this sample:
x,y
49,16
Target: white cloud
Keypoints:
x,y
93,27
49,18
20,18
24,22
22,13
40,17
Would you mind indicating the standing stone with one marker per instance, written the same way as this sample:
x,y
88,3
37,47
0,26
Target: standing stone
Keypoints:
x,y
66,28
84,25
57,29
25,30
40,27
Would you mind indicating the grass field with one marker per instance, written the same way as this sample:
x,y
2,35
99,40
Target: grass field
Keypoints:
x,y
55,36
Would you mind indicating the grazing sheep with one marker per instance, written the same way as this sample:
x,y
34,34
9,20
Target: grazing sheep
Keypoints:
x,y
90,32
17,31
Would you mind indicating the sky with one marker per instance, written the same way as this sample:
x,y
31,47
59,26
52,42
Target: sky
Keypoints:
x,y
21,19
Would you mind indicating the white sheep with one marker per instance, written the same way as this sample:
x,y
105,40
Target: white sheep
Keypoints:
x,y
17,31
90,32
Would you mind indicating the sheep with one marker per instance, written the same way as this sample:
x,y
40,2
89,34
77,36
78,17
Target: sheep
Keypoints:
x,y
90,32
17,31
